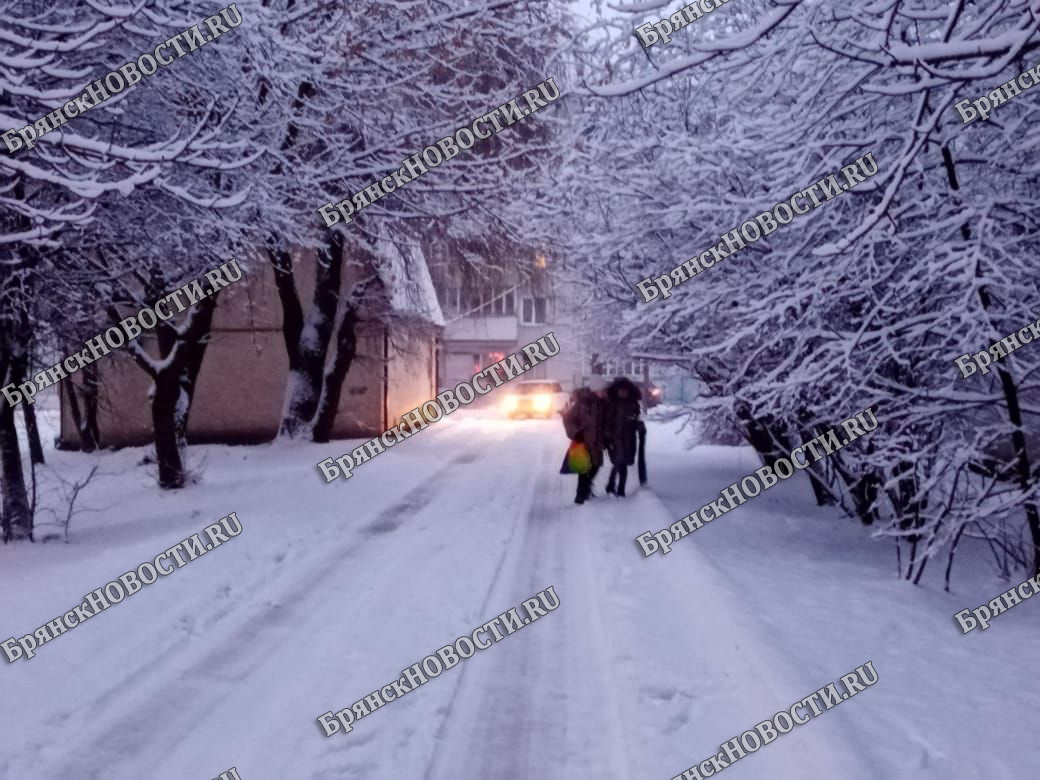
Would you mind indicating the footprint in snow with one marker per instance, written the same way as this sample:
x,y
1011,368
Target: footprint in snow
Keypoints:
x,y
677,723
659,694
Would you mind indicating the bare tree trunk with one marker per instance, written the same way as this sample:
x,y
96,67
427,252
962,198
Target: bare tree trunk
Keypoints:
x,y
19,371
17,521
779,435
90,433
823,497
174,392
69,391
194,351
181,353
86,445
804,423
920,569
91,386
307,338
764,435
953,551
346,351
292,311
758,436
85,418
32,433
908,508
16,517
913,558
165,398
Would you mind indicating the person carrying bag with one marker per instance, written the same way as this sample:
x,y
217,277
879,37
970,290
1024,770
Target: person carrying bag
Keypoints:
x,y
583,424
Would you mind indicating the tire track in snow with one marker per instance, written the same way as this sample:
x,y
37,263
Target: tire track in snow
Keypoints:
x,y
541,705
506,560
186,690
171,645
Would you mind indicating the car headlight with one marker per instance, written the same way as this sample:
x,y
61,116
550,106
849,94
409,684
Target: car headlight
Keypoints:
x,y
542,403
510,403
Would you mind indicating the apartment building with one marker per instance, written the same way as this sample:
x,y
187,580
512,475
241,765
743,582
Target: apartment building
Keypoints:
x,y
492,312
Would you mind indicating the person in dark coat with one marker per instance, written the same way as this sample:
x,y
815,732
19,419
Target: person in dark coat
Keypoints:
x,y
583,422
621,429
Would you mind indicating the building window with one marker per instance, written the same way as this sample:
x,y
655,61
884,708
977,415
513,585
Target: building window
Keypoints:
x,y
533,311
502,303
632,367
490,301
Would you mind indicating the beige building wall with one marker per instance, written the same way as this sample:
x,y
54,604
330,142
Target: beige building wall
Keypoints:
x,y
242,382
411,371
360,411
121,423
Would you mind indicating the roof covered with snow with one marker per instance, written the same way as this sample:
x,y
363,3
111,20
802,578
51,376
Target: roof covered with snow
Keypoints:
x,y
407,277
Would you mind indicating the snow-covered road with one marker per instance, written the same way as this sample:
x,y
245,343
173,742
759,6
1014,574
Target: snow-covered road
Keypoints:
x,y
647,666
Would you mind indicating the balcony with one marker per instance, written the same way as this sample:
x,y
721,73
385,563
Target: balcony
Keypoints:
x,y
482,328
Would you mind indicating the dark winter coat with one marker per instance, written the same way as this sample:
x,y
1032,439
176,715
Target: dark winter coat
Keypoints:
x,y
621,422
583,421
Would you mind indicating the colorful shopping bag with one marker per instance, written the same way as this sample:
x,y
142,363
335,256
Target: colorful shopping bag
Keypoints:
x,y
577,460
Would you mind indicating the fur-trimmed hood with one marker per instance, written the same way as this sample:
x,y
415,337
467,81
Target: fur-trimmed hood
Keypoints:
x,y
623,381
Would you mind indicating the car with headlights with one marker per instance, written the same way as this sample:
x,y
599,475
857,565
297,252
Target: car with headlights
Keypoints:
x,y
534,398
651,394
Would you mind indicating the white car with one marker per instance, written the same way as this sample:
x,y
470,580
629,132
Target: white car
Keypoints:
x,y
534,398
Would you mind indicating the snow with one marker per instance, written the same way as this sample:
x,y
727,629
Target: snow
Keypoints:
x,y
707,51
647,666
333,589
407,276
639,8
